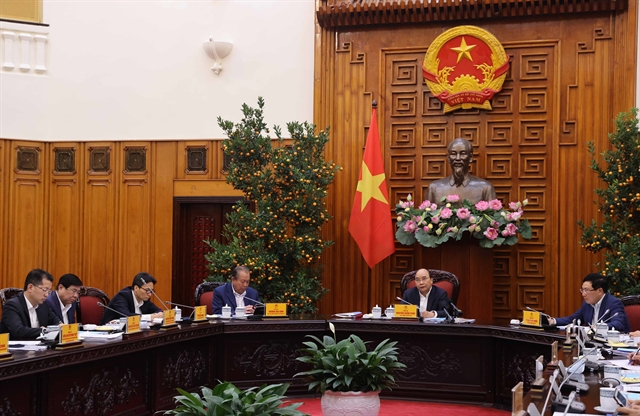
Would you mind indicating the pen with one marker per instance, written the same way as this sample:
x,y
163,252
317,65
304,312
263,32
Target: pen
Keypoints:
x,y
634,354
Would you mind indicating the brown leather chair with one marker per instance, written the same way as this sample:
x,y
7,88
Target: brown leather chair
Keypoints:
x,y
632,309
204,294
444,280
7,293
89,312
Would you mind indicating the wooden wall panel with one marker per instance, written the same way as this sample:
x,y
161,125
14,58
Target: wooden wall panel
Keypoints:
x,y
134,210
65,213
4,211
560,93
99,226
26,213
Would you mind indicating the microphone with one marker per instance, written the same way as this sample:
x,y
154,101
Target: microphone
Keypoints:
x,y
572,397
603,315
155,294
403,301
457,311
610,318
546,316
114,310
449,319
182,306
255,301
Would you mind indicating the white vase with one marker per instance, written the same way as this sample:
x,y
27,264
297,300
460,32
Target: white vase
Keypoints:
x,y
351,403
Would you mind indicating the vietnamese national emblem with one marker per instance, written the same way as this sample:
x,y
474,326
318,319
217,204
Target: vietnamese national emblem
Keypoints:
x,y
465,67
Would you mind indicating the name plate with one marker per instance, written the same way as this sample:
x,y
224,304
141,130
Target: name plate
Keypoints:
x,y
68,333
4,344
531,318
169,317
133,324
405,311
200,313
275,309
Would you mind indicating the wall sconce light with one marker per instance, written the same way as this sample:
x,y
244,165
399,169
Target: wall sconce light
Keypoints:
x,y
217,50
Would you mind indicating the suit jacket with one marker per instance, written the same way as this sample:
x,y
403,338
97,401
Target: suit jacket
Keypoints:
x,y
53,301
15,318
438,300
123,303
223,295
585,314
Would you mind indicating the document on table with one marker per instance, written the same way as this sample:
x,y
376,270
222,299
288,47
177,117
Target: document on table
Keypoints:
x,y
96,336
26,346
622,363
433,320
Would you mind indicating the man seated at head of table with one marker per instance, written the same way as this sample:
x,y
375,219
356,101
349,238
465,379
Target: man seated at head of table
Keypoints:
x,y
134,300
597,301
430,299
24,315
236,293
63,300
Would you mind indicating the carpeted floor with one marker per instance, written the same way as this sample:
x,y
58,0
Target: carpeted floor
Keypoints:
x,y
406,408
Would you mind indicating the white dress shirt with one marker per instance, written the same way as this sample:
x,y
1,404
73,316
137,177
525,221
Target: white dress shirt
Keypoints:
x,y
136,305
424,299
239,298
64,310
596,311
33,316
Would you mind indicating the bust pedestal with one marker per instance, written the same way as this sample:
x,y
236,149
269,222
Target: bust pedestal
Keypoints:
x,y
473,265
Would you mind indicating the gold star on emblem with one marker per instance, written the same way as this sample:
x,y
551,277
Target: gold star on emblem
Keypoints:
x,y
463,50
369,185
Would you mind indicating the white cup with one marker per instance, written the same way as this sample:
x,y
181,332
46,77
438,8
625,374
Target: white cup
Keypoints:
x,y
601,330
376,312
612,371
240,312
178,314
389,312
607,402
226,312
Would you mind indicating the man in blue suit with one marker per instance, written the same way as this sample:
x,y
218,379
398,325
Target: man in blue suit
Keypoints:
x,y
597,301
236,293
64,299
430,299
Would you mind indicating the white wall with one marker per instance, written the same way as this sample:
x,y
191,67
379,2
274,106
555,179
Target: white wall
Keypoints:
x,y
137,69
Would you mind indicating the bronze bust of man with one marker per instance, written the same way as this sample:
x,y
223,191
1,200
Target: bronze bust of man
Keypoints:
x,y
461,182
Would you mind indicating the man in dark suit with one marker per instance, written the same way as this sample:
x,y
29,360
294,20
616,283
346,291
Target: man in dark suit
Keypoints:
x,y
24,315
63,300
134,300
597,301
430,299
236,293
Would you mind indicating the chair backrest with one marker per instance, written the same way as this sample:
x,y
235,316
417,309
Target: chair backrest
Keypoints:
x,y
204,294
89,312
632,309
444,280
7,293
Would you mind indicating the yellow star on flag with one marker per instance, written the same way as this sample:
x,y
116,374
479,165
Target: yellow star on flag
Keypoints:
x,y
369,185
464,50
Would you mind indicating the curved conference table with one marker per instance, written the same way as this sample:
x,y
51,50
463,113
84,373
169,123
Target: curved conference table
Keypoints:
x,y
471,363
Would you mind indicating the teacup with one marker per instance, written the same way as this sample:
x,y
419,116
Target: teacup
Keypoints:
x,y
389,312
612,371
607,402
240,312
613,336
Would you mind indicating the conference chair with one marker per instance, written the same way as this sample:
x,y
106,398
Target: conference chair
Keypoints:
x,y
88,311
444,280
632,309
204,294
7,293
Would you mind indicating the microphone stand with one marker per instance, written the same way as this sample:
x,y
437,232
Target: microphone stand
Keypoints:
x,y
113,310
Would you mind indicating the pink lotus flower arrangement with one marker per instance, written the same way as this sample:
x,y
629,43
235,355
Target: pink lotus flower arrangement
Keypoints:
x,y
488,221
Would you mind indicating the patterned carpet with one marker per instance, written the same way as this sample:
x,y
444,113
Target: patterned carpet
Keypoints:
x,y
407,408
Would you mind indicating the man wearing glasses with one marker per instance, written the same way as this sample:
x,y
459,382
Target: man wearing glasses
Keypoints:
x,y
63,300
597,301
25,314
134,300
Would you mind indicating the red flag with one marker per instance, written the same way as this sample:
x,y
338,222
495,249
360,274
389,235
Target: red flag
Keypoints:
x,y
370,223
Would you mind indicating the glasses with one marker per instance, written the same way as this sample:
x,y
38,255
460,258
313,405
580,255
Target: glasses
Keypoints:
x,y
583,290
146,289
74,291
46,291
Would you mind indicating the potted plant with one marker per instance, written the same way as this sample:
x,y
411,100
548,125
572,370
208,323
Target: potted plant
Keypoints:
x,y
349,376
227,400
